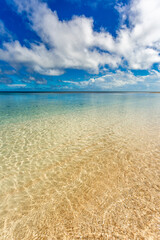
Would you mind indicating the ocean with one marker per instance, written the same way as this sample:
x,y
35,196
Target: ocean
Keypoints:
x,y
79,166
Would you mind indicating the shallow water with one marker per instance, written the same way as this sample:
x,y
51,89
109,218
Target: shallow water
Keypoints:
x,y
79,166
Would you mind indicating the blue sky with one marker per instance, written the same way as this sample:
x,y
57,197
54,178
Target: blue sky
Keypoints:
x,y
80,45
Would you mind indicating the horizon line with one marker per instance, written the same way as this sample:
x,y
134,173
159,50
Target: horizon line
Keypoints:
x,y
36,91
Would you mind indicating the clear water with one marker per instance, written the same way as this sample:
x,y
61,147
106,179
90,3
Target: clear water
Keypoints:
x,y
79,166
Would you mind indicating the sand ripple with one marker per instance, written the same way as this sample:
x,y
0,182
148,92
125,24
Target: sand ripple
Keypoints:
x,y
91,173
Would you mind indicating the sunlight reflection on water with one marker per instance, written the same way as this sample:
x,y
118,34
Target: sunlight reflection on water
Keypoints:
x,y
79,166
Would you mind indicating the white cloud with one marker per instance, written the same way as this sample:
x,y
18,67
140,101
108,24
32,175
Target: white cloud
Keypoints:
x,y
117,80
4,33
74,43
2,28
16,85
93,3
70,44
32,78
139,43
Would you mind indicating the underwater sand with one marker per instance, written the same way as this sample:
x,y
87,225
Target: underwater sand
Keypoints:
x,y
79,166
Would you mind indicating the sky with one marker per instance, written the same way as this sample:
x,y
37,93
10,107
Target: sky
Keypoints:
x,y
80,45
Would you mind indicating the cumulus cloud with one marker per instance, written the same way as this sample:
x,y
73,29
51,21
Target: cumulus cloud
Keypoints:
x,y
74,43
117,80
65,44
139,43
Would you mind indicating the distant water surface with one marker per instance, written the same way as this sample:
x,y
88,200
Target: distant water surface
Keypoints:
x,y
79,166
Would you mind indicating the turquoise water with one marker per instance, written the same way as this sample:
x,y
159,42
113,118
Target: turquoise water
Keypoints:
x,y
79,166
19,107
